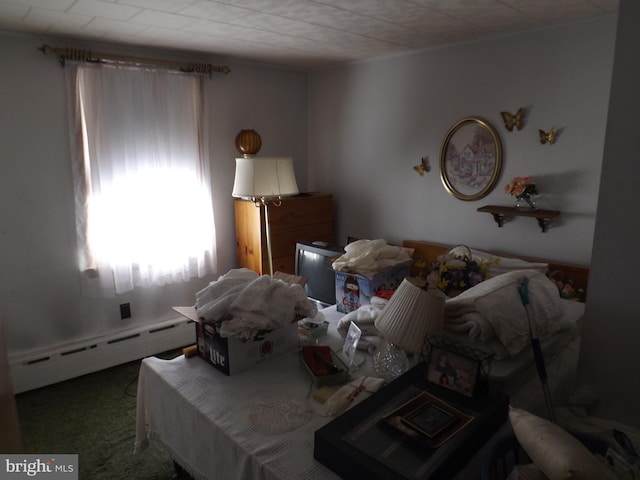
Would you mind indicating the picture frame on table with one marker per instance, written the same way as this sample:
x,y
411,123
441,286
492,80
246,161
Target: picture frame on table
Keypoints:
x,y
470,158
454,371
351,344
428,419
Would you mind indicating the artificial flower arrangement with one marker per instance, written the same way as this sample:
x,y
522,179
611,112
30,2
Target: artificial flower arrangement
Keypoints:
x,y
455,272
521,187
566,288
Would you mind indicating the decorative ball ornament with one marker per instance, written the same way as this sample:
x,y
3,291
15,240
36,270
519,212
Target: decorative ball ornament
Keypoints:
x,y
248,142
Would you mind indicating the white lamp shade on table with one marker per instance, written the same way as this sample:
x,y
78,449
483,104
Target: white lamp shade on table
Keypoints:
x,y
404,322
410,315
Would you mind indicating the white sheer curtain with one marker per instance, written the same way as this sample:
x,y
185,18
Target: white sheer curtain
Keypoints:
x,y
142,188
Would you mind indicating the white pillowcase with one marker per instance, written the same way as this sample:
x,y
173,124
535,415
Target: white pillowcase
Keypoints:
x,y
505,264
554,450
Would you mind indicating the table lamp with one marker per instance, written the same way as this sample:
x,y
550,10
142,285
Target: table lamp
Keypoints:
x,y
408,317
264,181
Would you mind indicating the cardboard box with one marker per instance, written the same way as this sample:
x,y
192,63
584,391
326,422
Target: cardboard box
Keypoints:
x,y
354,290
232,355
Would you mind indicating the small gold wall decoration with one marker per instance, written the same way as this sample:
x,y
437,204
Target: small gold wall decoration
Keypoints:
x,y
511,121
548,137
423,167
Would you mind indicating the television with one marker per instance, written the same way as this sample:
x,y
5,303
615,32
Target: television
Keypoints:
x,y
313,262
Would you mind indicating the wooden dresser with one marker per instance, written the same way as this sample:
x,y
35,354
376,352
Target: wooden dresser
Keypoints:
x,y
307,216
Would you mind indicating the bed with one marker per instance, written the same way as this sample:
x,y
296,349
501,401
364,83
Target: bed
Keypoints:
x,y
516,375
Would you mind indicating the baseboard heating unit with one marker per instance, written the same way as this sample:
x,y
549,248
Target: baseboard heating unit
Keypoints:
x,y
46,367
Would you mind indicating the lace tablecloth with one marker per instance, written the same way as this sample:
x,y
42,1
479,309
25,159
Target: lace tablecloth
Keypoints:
x,y
258,424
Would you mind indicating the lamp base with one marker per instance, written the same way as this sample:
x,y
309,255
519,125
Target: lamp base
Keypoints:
x,y
390,362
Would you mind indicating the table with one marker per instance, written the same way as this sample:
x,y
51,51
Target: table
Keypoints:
x,y
203,417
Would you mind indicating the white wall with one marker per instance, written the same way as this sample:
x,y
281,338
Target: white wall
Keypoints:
x,y
370,122
608,358
40,298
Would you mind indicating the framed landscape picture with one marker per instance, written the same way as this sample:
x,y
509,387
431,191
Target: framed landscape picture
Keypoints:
x,y
470,159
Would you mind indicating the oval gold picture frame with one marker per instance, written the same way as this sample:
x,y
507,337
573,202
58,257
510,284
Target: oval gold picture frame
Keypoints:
x,y
470,159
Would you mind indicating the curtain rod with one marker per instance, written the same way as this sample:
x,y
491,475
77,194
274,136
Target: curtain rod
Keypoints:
x,y
78,55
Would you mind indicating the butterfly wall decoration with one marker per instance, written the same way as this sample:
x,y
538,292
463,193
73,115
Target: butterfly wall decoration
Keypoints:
x,y
511,121
548,137
423,167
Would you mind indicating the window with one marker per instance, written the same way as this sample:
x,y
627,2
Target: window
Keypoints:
x,y
141,176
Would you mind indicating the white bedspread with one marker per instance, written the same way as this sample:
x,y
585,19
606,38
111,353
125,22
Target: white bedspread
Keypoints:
x,y
492,312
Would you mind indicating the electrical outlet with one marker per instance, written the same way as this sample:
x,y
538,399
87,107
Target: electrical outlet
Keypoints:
x,y
125,310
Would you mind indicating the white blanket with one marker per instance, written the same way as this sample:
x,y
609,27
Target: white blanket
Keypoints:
x,y
266,304
368,256
243,303
213,301
493,312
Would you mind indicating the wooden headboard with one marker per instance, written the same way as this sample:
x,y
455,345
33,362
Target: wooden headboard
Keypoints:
x,y
578,275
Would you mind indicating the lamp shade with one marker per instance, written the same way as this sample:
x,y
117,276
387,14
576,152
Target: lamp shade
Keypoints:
x,y
264,177
410,315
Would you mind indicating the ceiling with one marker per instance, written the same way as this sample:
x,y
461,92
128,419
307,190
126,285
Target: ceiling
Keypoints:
x,y
299,34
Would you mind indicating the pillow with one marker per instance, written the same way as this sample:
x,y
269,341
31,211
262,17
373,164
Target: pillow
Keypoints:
x,y
554,450
506,264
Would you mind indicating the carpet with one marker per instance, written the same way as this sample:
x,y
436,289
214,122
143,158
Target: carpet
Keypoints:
x,y
93,416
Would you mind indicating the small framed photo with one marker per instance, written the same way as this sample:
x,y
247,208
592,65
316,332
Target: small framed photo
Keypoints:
x,y
351,343
430,419
453,371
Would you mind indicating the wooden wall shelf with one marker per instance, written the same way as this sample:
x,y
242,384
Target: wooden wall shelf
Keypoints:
x,y
499,213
